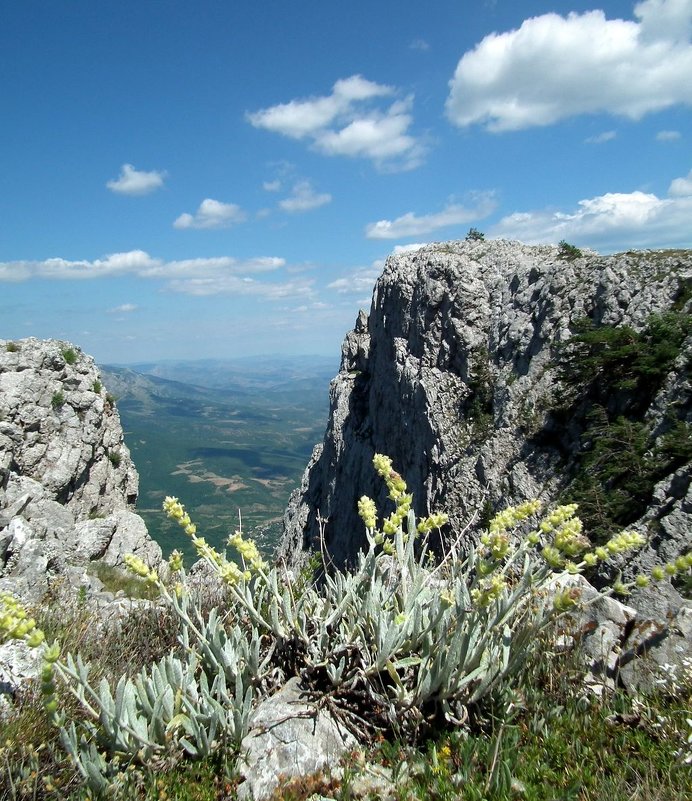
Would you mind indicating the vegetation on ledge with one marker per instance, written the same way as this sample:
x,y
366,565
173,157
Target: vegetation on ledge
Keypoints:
x,y
440,669
612,374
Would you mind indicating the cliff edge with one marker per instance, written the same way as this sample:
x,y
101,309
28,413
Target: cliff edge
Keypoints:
x,y
493,372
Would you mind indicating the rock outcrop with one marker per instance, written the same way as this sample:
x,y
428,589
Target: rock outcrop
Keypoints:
x,y
455,375
67,483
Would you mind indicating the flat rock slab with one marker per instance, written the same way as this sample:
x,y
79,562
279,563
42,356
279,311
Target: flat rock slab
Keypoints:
x,y
290,737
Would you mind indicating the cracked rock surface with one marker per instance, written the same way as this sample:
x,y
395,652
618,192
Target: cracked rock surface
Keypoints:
x,y
67,483
452,374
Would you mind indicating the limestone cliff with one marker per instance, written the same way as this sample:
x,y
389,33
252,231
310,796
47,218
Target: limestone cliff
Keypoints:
x,y
67,483
456,375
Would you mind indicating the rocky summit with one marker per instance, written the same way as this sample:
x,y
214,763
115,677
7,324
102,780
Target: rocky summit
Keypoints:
x,y
67,483
493,372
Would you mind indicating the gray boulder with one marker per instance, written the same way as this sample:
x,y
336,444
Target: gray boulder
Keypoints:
x,y
291,737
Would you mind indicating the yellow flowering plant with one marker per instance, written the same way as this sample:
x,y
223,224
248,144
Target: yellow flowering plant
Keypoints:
x,y
410,639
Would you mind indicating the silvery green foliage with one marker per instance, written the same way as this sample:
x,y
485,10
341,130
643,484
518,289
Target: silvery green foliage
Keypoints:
x,y
399,638
395,642
411,636
192,704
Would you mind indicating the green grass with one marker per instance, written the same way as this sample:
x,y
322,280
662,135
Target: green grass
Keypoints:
x,y
57,401
69,355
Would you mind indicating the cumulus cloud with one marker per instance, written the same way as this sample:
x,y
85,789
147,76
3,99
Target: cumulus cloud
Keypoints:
x,y
681,187
212,214
136,182
410,224
610,222
556,67
124,308
201,276
667,136
349,122
304,198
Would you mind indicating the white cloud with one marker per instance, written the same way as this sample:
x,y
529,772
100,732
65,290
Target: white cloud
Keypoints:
x,y
668,136
136,182
556,67
408,248
379,136
610,222
665,19
202,276
125,308
681,187
360,281
411,225
304,198
212,214
419,44
272,186
348,123
299,118
599,139
235,285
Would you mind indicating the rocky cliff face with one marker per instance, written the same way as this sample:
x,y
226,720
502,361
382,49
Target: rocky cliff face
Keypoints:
x,y
67,483
456,375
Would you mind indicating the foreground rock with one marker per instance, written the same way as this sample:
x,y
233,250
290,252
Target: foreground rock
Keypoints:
x,y
291,737
67,483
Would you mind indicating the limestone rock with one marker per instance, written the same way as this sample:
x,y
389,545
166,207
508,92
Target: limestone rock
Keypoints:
x,y
452,375
67,483
290,737
18,665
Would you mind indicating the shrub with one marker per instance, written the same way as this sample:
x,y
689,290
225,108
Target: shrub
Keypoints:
x,y
474,235
11,347
115,458
97,386
69,355
399,645
58,399
119,581
568,252
611,375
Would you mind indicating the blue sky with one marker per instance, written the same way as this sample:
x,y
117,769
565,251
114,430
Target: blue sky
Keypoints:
x,y
218,179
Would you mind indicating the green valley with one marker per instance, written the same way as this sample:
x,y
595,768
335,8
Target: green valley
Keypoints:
x,y
229,438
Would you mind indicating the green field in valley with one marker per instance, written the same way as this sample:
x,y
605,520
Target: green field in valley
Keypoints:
x,y
228,438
